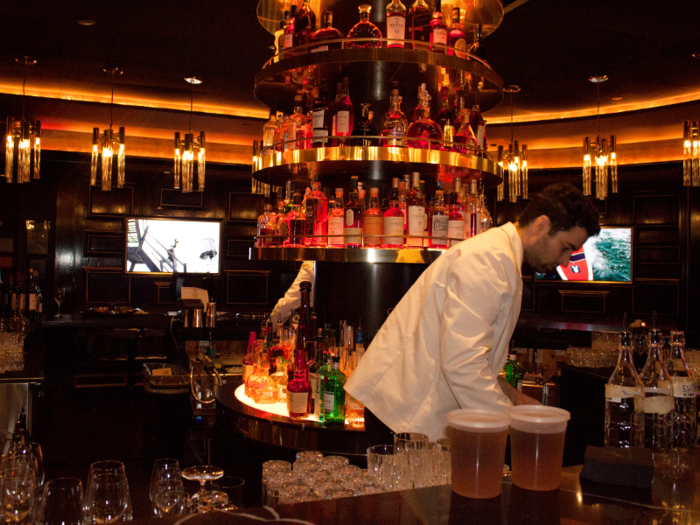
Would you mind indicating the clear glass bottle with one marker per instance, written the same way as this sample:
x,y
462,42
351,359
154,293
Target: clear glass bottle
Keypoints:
x,y
474,210
363,29
624,401
465,140
373,221
344,115
415,206
296,222
419,23
439,222
478,126
266,227
438,30
455,225
303,132
424,132
327,32
365,128
456,39
288,134
394,123
271,133
395,23
393,220
336,221
684,394
353,218
486,220
658,398
316,217
334,395
298,389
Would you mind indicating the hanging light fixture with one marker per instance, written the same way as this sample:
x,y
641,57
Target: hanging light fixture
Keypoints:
x,y
691,154
22,137
104,144
185,150
513,162
599,157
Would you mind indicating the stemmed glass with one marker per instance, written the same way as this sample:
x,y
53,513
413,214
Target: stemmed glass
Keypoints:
x,y
202,473
59,297
18,496
107,497
62,503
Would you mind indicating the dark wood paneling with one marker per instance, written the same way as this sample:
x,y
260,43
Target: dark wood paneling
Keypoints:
x,y
97,243
166,293
247,287
238,248
657,271
176,199
588,302
657,255
245,206
107,286
660,298
118,201
658,236
656,209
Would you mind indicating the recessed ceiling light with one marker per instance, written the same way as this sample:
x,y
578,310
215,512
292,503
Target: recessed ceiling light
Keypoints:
x,y
86,22
616,98
597,79
696,54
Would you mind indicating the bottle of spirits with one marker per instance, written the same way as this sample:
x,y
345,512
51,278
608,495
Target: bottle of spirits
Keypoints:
x,y
415,205
439,222
317,217
39,297
314,376
428,208
336,221
478,125
31,296
334,396
305,24
288,134
394,123
404,190
266,227
444,114
395,23
624,401
461,113
249,360
298,389
448,141
21,295
353,218
14,297
465,139
393,220
486,220
364,29
280,36
455,225
424,133
684,393
373,221
419,22
474,211
296,223
456,39
365,128
289,33
322,119
303,131
514,372
20,435
418,111
344,115
658,398
271,133
438,30
327,32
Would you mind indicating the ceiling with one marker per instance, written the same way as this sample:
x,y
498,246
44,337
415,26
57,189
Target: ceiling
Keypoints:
x,y
547,47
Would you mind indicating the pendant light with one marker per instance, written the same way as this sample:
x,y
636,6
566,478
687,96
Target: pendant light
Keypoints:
x,y
185,150
600,155
513,162
105,145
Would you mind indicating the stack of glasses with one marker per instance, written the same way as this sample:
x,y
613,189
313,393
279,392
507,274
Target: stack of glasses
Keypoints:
x,y
11,351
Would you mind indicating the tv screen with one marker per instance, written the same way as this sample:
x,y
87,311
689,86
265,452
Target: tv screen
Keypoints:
x,y
606,257
155,245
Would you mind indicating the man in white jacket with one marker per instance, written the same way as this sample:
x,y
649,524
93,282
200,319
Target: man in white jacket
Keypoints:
x,y
446,341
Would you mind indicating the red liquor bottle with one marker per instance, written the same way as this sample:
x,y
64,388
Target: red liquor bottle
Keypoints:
x,y
455,224
353,218
419,21
316,217
373,221
296,222
393,220
444,114
298,389
456,39
344,115
327,32
438,30
364,29
395,23
336,221
424,132
266,227
288,42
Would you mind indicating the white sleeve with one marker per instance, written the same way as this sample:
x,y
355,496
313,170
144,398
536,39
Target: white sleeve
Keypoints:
x,y
292,298
478,291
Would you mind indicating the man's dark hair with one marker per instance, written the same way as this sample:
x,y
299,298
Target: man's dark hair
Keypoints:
x,y
566,206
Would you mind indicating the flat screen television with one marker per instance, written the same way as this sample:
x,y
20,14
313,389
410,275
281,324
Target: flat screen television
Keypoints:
x,y
606,257
163,245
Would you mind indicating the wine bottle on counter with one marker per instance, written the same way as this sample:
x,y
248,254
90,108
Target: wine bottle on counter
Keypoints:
x,y
684,393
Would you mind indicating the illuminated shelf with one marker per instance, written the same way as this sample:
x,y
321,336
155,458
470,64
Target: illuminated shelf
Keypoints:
x,y
345,255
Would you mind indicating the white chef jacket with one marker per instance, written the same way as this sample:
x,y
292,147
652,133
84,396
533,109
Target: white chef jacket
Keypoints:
x,y
292,298
444,344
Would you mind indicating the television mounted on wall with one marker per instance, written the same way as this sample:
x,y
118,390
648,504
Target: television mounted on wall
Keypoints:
x,y
606,257
158,245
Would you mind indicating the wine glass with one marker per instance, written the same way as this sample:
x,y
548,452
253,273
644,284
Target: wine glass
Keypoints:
x,y
171,503
107,500
163,469
59,297
202,473
62,503
18,496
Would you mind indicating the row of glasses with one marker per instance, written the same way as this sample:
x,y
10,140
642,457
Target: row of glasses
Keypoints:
x,y
11,351
166,491
585,357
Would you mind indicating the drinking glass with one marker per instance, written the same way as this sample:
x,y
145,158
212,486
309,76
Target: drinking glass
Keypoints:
x,y
163,469
387,467
27,455
171,503
62,503
270,468
202,473
101,473
212,500
232,486
59,297
18,496
107,499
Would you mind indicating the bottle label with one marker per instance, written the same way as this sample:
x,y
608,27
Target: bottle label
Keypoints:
x,y
32,302
683,386
416,225
320,136
297,402
440,226
336,226
455,230
318,120
288,41
480,136
616,393
373,226
658,404
353,236
22,302
342,122
439,36
396,30
393,226
460,48
318,49
349,217
328,402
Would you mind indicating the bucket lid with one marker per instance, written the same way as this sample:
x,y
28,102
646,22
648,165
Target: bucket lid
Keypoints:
x,y
538,419
478,420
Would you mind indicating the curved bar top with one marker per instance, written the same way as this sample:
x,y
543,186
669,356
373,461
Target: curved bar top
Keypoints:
x,y
235,417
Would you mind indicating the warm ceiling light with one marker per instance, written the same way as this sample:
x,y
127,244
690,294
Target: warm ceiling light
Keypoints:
x,y
184,152
86,22
515,160
696,54
109,142
599,155
616,99
691,154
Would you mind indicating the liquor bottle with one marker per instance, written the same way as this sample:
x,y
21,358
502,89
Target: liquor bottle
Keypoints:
x,y
477,48
353,218
465,139
439,222
317,217
404,190
249,360
314,377
288,195
393,220
444,114
298,389
289,33
20,435
474,211
373,222
334,396
684,393
266,227
478,125
486,220
21,295
296,222
394,123
363,29
461,112
280,36
395,23
456,39
415,205
624,401
271,133
438,30
424,132
658,398
322,119
514,372
344,114
365,128
39,298
448,144
31,296
419,22
422,93
327,32
305,24
13,298
303,131
336,222
455,225
427,208
288,134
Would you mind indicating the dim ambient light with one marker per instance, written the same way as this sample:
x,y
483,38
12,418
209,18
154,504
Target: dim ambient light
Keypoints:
x,y
185,153
599,156
691,154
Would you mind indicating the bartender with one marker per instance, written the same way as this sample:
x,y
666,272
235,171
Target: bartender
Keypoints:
x,y
292,298
444,344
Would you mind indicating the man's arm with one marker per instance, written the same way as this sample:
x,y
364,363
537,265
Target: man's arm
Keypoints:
x,y
292,298
516,396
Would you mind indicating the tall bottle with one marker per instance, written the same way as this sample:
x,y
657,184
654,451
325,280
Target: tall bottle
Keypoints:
x,y
288,134
20,435
344,114
684,394
478,125
316,217
415,205
393,219
289,33
439,222
303,126
271,133
363,29
486,220
296,223
474,211
322,119
353,218
305,24
394,123
14,297
624,401
365,128
21,296
438,30
455,224
395,23
31,296
336,221
424,133
456,39
373,221
298,389
249,360
280,36
444,114
327,32
658,398
314,375
419,23
334,396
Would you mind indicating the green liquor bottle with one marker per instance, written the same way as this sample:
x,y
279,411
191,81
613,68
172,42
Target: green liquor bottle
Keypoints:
x,y
334,396
514,372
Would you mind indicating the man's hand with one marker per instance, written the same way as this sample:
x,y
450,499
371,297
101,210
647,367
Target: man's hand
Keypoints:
x,y
516,396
